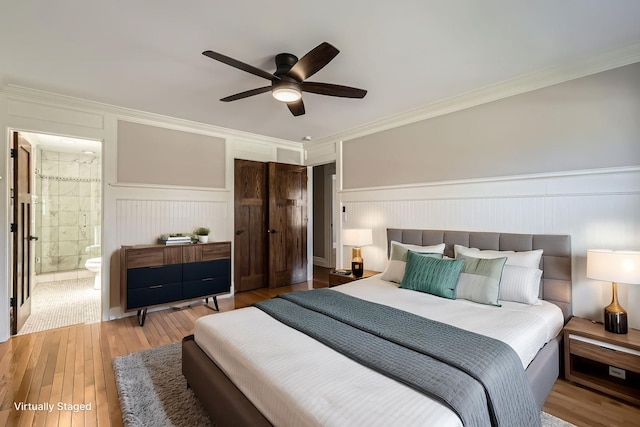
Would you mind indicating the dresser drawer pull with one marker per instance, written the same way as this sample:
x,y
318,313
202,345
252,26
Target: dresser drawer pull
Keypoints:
x,y
208,279
155,286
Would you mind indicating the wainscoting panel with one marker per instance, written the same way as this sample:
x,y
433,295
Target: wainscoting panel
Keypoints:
x,y
143,221
607,219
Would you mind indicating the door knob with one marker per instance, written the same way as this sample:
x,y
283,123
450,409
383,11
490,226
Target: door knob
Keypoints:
x,y
33,238
271,230
239,232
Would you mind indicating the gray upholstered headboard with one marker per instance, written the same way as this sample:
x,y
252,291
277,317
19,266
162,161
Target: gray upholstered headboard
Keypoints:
x,y
555,264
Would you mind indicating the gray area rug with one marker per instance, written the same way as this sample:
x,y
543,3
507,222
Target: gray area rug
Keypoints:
x,y
153,391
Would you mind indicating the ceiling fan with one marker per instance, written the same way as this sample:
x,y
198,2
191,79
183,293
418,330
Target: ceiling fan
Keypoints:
x,y
289,80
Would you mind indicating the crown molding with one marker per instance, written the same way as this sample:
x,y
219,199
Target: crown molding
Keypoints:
x,y
537,80
70,102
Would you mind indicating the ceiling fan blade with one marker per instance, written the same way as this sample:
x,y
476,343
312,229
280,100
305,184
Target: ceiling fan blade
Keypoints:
x,y
296,108
246,94
313,61
333,90
239,65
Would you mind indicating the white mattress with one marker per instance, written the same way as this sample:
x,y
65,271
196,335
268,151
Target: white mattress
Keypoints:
x,y
296,381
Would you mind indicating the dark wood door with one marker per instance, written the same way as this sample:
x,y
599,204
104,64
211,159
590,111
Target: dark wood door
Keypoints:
x,y
287,224
22,187
250,225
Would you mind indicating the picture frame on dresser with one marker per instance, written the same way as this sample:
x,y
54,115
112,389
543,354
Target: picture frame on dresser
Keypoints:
x,y
155,275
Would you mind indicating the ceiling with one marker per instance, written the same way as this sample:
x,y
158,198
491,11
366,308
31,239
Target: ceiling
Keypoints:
x,y
147,55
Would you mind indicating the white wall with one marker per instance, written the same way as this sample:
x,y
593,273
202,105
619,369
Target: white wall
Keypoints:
x,y
132,214
598,208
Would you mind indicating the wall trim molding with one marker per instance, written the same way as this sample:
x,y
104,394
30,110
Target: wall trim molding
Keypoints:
x,y
166,187
622,169
537,80
611,181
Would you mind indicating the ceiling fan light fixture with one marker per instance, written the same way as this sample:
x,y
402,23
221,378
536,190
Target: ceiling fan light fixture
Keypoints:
x,y
286,92
286,95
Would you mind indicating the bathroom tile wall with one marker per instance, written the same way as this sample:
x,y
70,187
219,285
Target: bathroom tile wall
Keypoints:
x,y
67,210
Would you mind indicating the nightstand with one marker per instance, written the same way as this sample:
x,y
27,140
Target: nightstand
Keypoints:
x,y
336,279
602,360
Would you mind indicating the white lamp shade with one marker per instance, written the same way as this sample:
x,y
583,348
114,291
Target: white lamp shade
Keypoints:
x,y
357,237
614,266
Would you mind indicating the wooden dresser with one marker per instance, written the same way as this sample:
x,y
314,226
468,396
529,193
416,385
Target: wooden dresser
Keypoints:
x,y
162,274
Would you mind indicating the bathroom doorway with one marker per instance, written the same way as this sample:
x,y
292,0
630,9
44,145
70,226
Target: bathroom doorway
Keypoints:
x,y
66,230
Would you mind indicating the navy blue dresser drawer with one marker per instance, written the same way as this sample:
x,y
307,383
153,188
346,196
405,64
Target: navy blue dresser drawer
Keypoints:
x,y
146,276
205,287
204,270
153,275
152,295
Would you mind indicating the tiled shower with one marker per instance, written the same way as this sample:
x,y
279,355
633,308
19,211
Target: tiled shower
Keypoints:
x,y
67,210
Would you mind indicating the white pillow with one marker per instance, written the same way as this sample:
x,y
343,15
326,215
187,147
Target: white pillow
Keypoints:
x,y
529,259
520,284
398,259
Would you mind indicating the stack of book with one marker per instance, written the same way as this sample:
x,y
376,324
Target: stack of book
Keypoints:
x,y
174,239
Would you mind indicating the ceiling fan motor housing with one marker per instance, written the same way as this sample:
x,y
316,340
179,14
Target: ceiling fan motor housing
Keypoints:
x,y
284,62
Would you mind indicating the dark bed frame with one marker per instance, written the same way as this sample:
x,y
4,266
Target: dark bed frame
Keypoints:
x,y
227,405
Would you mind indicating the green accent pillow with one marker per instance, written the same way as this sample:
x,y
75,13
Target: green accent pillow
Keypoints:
x,y
431,275
480,279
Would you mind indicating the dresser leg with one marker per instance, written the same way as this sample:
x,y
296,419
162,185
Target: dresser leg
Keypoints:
x,y
215,303
142,315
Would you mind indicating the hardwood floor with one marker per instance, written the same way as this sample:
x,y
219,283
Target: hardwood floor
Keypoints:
x,y
584,407
73,366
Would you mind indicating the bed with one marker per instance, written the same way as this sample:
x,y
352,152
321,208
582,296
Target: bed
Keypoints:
x,y
337,390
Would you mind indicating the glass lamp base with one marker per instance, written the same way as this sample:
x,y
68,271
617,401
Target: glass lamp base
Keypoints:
x,y
357,268
615,322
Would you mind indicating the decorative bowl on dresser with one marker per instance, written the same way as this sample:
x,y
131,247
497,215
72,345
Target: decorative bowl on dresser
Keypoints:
x,y
153,275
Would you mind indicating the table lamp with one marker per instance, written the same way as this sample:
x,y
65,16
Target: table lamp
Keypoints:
x,y
615,267
357,237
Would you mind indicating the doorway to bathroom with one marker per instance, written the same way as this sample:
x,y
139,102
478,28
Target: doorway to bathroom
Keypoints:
x,y
64,242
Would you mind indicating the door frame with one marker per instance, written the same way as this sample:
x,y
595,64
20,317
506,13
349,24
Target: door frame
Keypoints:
x,y
8,240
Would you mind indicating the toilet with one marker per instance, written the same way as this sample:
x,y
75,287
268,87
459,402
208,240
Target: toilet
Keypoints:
x,y
94,265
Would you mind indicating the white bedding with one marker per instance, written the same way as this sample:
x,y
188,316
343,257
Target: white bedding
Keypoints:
x,y
296,381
